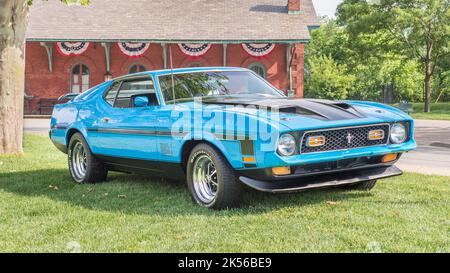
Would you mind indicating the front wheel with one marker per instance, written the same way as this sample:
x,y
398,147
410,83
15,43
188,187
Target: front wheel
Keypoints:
x,y
211,180
84,167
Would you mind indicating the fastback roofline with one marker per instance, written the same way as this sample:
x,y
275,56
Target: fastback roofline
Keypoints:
x,y
178,71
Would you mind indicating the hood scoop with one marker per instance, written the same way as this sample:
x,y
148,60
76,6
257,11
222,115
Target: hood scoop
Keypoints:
x,y
301,111
342,106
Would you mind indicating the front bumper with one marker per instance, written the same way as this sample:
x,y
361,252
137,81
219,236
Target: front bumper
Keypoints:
x,y
322,180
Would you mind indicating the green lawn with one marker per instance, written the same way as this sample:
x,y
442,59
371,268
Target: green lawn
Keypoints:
x,y
41,210
438,111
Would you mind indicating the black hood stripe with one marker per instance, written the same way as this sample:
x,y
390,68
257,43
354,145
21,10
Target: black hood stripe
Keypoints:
x,y
320,109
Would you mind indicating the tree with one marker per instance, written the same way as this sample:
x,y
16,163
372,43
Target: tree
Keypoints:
x,y
327,80
13,23
375,70
422,26
441,82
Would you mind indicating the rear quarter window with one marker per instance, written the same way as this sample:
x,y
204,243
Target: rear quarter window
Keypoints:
x,y
111,94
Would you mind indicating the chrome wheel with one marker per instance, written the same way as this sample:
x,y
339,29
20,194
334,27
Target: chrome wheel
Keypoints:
x,y
79,161
205,179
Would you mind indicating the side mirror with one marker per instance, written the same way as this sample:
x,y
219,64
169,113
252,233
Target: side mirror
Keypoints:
x,y
140,101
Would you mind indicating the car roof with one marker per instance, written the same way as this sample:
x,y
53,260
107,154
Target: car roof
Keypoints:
x,y
180,70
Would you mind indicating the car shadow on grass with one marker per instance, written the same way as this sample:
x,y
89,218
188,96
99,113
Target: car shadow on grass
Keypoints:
x,y
136,194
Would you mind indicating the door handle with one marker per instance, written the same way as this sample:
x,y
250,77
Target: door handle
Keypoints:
x,y
106,120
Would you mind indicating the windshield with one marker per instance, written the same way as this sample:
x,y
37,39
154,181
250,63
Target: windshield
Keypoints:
x,y
223,83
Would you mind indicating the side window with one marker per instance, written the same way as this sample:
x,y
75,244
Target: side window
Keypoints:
x,y
110,95
130,89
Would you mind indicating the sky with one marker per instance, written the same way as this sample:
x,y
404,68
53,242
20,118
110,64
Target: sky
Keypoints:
x,y
326,7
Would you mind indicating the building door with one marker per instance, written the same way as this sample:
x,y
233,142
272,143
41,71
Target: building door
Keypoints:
x,y
79,78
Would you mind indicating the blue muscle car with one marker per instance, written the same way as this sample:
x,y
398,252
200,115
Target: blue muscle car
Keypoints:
x,y
222,129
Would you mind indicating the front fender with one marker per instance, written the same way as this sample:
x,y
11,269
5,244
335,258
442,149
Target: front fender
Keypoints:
x,y
231,149
389,108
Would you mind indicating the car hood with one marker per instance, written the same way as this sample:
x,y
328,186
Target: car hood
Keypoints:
x,y
296,113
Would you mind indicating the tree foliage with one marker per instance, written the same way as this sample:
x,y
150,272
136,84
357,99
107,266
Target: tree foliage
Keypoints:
x,y
418,29
365,61
390,49
327,79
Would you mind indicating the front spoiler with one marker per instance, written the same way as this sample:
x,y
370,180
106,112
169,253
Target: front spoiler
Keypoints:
x,y
322,181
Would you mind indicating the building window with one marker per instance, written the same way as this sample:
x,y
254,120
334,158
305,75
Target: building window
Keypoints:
x,y
259,69
135,68
195,64
80,78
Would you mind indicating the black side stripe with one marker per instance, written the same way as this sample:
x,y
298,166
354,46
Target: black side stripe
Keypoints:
x,y
135,132
59,126
162,133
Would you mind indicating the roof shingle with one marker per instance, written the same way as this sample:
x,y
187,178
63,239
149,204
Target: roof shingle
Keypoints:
x,y
211,21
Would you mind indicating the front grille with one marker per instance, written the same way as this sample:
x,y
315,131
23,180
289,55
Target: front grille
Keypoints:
x,y
345,138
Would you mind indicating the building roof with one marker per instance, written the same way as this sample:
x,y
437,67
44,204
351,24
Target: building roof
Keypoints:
x,y
212,21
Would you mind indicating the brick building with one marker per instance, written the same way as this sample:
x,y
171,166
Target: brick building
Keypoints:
x,y
72,48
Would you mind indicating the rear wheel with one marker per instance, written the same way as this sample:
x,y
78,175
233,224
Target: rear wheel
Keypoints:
x,y
84,167
211,180
363,186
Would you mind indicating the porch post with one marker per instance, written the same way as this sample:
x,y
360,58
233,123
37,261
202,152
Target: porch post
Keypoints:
x,y
107,47
289,68
164,47
49,49
225,54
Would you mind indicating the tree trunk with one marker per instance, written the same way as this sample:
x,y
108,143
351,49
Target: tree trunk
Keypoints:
x,y
427,86
13,22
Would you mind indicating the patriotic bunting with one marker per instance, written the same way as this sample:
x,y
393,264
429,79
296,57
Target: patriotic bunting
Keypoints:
x,y
133,49
258,50
72,48
194,50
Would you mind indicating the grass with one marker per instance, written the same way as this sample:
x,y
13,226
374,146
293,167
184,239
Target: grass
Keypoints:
x,y
439,111
41,210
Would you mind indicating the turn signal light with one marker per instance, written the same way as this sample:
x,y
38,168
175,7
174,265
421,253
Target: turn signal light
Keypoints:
x,y
281,170
389,158
376,134
249,159
315,141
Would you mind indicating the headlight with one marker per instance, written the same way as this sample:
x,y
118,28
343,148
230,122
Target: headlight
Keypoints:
x,y
398,133
286,145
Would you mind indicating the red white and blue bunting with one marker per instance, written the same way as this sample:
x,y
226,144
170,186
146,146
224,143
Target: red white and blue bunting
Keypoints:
x,y
133,49
194,50
258,50
72,48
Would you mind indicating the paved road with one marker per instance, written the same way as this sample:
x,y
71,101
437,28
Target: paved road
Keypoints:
x,y
433,153
431,157
36,125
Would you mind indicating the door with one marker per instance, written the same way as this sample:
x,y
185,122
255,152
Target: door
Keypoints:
x,y
126,129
